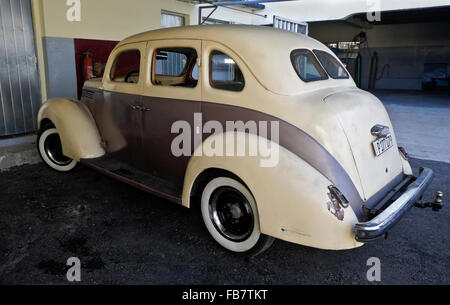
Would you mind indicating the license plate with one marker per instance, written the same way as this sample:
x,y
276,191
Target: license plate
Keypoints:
x,y
382,145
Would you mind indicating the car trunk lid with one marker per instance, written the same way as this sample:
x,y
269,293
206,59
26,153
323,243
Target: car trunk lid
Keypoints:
x,y
358,112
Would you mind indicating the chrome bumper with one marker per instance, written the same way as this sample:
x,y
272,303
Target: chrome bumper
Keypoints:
x,y
379,226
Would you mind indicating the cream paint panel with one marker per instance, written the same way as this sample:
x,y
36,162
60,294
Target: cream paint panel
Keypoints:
x,y
193,94
80,138
291,197
95,83
135,89
358,112
307,111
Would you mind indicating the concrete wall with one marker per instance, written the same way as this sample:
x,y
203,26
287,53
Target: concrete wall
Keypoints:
x,y
402,49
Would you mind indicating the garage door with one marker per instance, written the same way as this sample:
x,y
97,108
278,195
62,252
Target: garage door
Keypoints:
x,y
19,82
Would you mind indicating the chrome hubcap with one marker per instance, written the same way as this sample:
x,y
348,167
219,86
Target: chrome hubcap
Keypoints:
x,y
231,214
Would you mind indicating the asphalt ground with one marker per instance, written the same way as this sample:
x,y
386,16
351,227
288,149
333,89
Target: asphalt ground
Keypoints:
x,y
125,236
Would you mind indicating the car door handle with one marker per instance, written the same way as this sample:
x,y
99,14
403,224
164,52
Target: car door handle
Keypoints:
x,y
136,107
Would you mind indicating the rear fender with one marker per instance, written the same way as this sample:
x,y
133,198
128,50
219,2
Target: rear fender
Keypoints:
x,y
292,197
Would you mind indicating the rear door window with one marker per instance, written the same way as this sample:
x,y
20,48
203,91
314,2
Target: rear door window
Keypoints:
x,y
173,67
225,74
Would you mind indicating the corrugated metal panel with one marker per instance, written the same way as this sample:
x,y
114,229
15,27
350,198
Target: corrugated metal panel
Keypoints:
x,y
19,81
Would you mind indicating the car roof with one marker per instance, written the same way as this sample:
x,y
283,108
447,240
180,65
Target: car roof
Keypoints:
x,y
265,50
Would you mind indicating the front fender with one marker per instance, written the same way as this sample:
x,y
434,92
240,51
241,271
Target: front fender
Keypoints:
x,y
79,135
292,197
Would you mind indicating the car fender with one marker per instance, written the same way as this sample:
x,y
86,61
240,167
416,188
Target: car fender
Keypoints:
x,y
292,197
79,135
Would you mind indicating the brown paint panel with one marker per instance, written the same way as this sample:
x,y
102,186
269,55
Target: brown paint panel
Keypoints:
x,y
119,125
157,137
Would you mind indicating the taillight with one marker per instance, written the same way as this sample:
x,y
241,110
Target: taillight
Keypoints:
x,y
336,194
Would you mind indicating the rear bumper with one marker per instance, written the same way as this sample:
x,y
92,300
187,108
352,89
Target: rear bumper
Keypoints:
x,y
379,226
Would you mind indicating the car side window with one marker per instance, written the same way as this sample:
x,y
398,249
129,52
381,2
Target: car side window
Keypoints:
x,y
307,66
225,74
194,73
173,67
126,67
331,65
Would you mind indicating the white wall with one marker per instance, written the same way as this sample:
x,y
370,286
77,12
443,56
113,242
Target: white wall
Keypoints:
x,y
319,10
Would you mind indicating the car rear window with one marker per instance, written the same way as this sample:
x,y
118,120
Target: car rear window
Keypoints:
x,y
331,65
307,66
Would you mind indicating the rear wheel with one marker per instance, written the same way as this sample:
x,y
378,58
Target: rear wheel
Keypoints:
x,y
50,149
230,214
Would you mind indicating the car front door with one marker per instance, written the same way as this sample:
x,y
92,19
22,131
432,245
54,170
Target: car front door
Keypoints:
x,y
118,116
171,93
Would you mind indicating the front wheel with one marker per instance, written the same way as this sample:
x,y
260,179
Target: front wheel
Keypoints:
x,y
50,149
230,214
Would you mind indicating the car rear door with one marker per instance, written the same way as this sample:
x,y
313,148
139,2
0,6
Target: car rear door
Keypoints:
x,y
172,93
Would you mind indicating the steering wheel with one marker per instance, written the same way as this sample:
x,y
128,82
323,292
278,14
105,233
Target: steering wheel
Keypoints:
x,y
132,73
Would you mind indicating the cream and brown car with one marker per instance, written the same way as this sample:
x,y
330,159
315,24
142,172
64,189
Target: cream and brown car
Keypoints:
x,y
339,179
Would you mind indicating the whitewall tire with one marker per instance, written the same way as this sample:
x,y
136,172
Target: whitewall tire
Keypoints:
x,y
230,214
50,149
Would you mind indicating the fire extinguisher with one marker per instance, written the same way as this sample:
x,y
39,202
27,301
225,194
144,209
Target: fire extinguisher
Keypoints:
x,y
88,66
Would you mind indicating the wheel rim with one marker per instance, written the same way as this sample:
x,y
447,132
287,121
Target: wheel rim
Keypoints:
x,y
53,149
231,214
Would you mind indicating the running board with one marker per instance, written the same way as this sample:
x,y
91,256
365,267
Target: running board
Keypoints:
x,y
134,177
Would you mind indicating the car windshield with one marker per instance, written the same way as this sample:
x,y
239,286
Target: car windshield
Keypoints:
x,y
307,66
331,65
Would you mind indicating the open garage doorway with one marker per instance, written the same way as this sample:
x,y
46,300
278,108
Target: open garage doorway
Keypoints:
x,y
405,50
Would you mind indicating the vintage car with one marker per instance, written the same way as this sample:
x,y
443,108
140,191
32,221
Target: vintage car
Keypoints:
x,y
338,180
